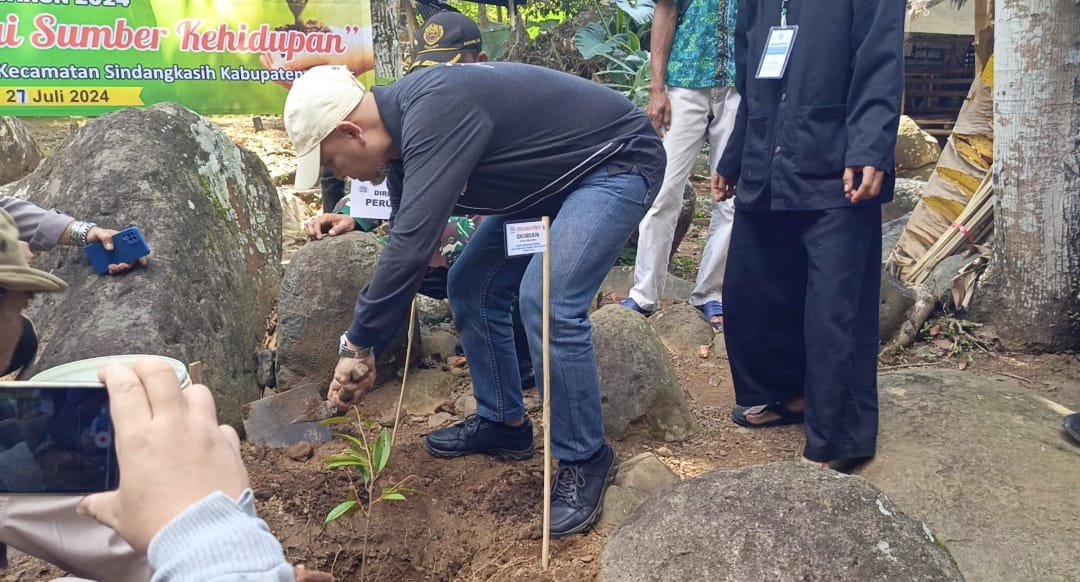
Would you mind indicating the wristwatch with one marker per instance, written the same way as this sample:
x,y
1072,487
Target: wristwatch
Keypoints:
x,y
345,351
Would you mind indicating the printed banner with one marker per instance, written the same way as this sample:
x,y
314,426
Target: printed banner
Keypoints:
x,y
90,57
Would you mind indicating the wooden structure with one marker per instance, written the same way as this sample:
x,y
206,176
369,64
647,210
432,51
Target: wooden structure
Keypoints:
x,y
938,73
940,60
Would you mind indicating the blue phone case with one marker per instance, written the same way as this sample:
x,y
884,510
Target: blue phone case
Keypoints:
x,y
128,247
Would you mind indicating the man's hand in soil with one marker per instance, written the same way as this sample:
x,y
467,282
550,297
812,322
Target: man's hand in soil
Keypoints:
x,y
329,224
869,187
659,110
721,188
348,386
171,452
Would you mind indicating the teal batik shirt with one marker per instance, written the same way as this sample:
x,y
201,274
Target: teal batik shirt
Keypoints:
x,y
703,52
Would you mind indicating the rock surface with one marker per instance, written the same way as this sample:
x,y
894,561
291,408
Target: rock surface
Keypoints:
x,y
915,148
636,378
682,328
985,463
211,215
784,522
890,234
19,153
907,194
639,478
317,300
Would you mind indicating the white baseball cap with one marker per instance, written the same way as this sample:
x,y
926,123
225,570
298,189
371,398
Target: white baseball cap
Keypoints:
x,y
320,99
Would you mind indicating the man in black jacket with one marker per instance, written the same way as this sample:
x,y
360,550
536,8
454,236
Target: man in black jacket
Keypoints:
x,y
495,139
812,158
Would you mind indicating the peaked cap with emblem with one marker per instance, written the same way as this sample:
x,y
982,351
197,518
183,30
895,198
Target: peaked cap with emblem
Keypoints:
x,y
443,38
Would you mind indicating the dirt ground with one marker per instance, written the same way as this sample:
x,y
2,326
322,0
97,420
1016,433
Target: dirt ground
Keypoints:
x,y
478,519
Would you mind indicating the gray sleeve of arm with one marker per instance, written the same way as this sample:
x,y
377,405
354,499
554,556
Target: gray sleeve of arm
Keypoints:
x,y
217,540
442,144
37,226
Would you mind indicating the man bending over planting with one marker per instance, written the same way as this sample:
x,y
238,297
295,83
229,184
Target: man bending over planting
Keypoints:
x,y
496,139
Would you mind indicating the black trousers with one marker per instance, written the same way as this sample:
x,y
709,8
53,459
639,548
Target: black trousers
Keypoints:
x,y
801,297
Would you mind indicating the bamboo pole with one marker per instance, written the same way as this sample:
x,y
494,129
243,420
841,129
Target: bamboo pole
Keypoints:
x,y
970,227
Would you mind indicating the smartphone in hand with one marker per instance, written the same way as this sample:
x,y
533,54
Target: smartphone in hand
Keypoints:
x,y
129,245
56,438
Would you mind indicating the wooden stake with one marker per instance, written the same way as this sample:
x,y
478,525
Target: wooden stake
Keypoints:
x,y
405,374
546,550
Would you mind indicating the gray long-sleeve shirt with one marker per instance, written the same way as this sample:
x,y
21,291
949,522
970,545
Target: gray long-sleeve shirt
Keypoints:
x,y
37,226
491,139
219,539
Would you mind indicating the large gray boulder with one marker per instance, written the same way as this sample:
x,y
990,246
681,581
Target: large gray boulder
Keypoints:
x,y
985,463
915,148
19,153
639,478
636,378
890,234
318,296
895,305
784,522
682,328
212,217
907,195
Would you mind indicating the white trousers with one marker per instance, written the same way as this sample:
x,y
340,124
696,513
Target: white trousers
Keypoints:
x,y
48,528
697,115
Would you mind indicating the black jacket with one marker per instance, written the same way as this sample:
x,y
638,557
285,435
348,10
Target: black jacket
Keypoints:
x,y
837,106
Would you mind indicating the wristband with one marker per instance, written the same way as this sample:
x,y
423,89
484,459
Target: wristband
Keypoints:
x,y
80,231
346,352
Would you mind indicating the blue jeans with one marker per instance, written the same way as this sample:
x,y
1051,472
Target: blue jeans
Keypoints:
x,y
587,234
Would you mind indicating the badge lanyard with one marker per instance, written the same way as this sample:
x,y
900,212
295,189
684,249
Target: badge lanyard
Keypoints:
x,y
774,59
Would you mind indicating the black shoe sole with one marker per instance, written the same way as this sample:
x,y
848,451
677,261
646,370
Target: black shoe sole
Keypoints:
x,y
502,454
595,515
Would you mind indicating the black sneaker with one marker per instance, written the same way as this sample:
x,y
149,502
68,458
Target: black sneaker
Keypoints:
x,y
578,494
479,435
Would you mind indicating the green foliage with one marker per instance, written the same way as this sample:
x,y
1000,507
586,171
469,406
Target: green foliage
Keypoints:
x,y
627,257
959,338
538,16
343,509
367,455
684,267
615,40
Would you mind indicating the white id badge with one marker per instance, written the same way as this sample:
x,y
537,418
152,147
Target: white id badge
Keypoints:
x,y
777,52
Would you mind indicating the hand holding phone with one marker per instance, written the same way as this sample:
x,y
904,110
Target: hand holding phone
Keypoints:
x,y
171,451
129,247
